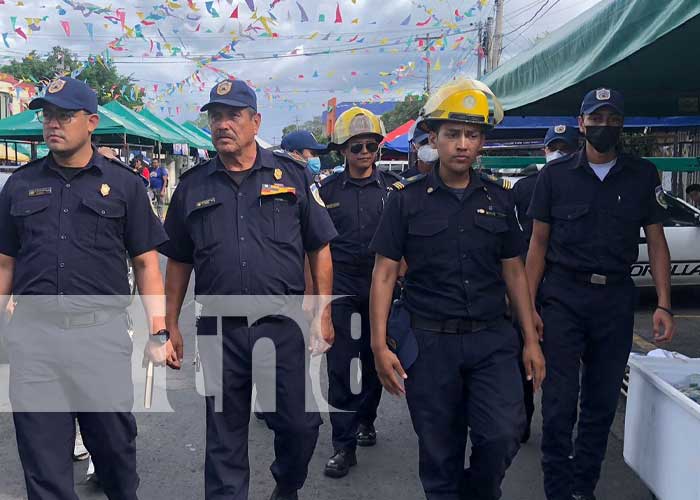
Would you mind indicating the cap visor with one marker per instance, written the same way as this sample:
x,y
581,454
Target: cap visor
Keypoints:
x,y
39,103
231,103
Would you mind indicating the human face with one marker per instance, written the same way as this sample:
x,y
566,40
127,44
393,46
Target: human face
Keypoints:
x,y
67,132
307,154
155,163
559,145
458,145
233,129
364,159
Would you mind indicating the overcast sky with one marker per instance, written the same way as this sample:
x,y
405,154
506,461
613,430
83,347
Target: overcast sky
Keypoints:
x,y
373,39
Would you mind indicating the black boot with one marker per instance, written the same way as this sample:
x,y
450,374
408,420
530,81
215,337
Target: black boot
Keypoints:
x,y
339,464
366,435
280,495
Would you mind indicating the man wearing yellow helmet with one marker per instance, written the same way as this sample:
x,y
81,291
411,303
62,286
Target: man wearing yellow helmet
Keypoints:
x,y
354,198
458,233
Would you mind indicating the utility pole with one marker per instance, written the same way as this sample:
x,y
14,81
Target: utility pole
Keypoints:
x,y
479,50
427,39
498,36
488,37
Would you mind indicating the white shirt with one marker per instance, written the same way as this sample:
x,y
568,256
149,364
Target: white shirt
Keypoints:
x,y
602,169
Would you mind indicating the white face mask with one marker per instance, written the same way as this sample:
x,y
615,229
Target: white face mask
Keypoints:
x,y
427,154
554,155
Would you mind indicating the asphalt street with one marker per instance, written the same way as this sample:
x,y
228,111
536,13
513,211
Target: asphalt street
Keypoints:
x,y
171,445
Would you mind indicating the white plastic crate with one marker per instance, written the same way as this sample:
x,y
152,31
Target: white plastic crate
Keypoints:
x,y
662,428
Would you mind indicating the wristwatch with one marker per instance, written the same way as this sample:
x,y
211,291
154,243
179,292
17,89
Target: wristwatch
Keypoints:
x,y
161,337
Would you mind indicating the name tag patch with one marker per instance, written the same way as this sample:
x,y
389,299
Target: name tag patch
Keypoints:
x,y
39,191
205,203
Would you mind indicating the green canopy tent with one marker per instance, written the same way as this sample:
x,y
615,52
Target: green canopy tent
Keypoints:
x,y
645,48
162,134
201,133
188,138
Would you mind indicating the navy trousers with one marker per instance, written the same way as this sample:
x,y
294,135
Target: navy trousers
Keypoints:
x,y
58,375
587,341
282,356
466,386
352,342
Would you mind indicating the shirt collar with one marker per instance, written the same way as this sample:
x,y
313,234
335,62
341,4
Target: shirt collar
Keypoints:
x,y
95,161
374,178
263,158
435,182
582,162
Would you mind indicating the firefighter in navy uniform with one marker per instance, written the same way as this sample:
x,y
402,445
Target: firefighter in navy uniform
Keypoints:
x,y
457,230
588,209
243,222
559,141
67,222
354,199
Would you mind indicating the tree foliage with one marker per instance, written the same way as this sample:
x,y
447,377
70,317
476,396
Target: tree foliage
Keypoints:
x,y
315,126
101,75
403,112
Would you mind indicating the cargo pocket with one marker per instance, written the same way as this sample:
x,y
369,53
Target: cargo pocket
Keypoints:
x,y
108,222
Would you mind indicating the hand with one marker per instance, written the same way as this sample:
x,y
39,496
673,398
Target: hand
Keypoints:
x,y
663,319
539,325
175,358
308,306
389,370
9,309
107,152
533,359
322,333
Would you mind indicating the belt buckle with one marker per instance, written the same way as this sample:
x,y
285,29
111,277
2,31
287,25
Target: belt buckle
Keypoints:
x,y
599,279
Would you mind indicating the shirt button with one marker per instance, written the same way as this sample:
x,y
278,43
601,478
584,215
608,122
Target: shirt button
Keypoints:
x,y
244,264
242,238
464,255
466,282
461,229
245,290
62,265
60,293
64,237
67,186
103,212
241,216
240,194
65,210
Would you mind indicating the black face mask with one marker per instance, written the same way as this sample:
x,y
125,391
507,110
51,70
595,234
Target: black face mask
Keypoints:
x,y
603,139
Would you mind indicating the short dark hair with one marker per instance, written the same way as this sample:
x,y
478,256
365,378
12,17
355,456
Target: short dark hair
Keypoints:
x,y
691,188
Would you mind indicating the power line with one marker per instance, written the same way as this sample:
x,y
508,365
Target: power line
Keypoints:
x,y
529,20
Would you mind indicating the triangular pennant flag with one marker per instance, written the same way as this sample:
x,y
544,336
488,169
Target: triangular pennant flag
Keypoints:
x,y
437,66
211,9
13,20
251,5
89,28
234,14
406,21
4,39
66,27
338,15
21,33
304,17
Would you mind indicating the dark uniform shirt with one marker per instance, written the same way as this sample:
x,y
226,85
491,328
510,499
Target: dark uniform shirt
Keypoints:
x,y
522,196
453,248
71,236
355,206
595,224
248,239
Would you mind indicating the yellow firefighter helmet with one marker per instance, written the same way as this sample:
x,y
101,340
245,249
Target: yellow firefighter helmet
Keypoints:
x,y
356,121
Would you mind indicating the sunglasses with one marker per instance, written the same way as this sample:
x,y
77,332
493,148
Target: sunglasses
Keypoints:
x,y
371,147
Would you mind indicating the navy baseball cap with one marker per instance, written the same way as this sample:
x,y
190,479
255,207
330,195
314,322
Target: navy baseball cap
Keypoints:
x,y
602,97
235,93
301,140
569,135
69,94
418,136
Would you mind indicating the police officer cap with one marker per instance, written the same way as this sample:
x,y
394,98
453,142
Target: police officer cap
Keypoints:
x,y
569,135
235,93
301,140
602,97
69,94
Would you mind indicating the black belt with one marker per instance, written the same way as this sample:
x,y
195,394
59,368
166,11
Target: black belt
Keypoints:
x,y
590,278
69,321
456,326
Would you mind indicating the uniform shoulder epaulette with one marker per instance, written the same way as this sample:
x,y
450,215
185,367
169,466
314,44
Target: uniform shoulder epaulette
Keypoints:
x,y
328,179
281,153
393,175
193,168
401,184
118,162
28,164
498,181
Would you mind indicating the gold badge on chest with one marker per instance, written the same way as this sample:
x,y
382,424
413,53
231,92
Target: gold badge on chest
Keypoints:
x,y
105,189
277,174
